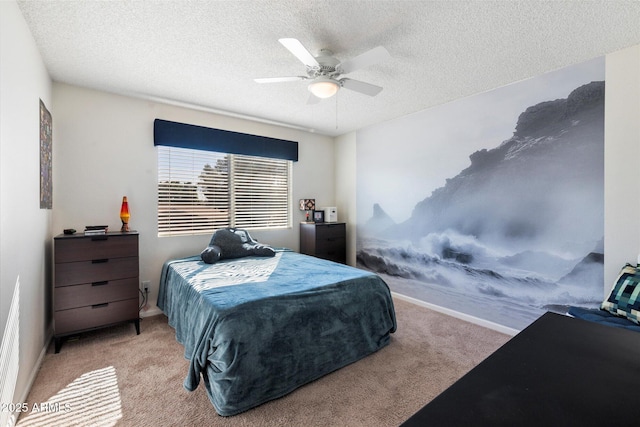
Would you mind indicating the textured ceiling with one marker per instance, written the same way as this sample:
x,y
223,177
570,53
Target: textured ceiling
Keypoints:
x,y
207,53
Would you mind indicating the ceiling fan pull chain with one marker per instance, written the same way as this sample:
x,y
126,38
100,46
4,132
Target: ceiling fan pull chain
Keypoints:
x,y
336,112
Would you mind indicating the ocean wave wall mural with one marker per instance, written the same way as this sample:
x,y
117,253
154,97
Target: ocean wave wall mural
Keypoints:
x,y
491,205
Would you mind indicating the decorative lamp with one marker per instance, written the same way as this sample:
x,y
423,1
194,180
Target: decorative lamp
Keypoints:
x,y
124,214
324,87
307,205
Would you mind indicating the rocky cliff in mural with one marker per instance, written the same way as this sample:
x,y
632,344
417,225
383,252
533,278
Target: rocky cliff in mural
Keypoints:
x,y
523,219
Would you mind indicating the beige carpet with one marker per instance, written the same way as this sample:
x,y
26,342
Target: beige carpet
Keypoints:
x,y
114,377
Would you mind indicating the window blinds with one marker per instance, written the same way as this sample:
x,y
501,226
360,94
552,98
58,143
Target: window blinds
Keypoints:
x,y
201,191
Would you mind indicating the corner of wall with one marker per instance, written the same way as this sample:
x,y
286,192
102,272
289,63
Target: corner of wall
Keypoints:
x,y
622,148
345,161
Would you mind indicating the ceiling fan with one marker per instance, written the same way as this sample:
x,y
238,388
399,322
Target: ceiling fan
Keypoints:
x,y
325,71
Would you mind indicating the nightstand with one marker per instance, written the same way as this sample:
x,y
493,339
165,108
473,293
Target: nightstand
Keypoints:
x,y
325,240
95,282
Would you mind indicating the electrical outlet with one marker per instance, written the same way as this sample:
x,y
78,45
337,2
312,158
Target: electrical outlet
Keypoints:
x,y
144,285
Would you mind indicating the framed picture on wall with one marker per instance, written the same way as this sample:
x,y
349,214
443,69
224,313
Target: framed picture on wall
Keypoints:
x,y
46,197
318,216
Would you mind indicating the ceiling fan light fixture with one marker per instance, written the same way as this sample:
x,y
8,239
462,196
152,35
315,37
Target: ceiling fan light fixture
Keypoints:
x,y
324,87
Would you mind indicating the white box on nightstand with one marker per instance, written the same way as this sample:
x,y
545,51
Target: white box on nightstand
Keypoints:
x,y
331,214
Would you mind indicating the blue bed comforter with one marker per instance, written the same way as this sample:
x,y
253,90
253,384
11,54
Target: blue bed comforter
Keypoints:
x,y
255,329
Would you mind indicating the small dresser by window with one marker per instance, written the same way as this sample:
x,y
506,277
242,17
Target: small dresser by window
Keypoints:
x,y
325,240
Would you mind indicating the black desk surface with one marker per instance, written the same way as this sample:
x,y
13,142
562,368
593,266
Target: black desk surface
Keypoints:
x,y
559,371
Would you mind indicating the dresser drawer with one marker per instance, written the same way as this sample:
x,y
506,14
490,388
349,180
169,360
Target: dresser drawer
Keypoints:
x,y
79,319
333,250
97,270
67,297
96,247
328,245
330,231
335,256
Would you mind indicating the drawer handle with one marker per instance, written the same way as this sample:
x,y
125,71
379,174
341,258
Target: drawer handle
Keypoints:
x,y
102,283
104,304
95,238
99,261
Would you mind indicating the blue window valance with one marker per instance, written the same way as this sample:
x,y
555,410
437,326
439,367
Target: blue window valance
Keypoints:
x,y
223,141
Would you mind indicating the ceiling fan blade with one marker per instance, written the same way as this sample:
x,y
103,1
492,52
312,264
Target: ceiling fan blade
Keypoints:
x,y
300,52
279,79
362,87
370,57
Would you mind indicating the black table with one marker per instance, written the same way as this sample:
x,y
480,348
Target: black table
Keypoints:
x,y
559,371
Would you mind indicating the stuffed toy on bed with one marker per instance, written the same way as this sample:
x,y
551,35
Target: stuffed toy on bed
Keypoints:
x,y
233,243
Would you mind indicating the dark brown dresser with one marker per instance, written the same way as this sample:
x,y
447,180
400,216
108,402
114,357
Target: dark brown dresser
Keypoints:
x,y
95,282
325,240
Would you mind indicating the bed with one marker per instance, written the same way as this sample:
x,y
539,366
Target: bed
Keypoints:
x,y
254,329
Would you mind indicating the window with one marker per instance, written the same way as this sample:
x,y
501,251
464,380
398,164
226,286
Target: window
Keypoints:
x,y
202,191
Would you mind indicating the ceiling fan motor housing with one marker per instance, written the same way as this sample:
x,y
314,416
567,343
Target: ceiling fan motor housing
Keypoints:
x,y
327,65
325,70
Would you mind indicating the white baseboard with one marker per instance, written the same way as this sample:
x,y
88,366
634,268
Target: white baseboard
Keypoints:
x,y
33,375
467,317
151,311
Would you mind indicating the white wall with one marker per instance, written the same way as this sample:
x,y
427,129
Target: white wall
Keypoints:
x,y
103,150
25,229
345,164
622,154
